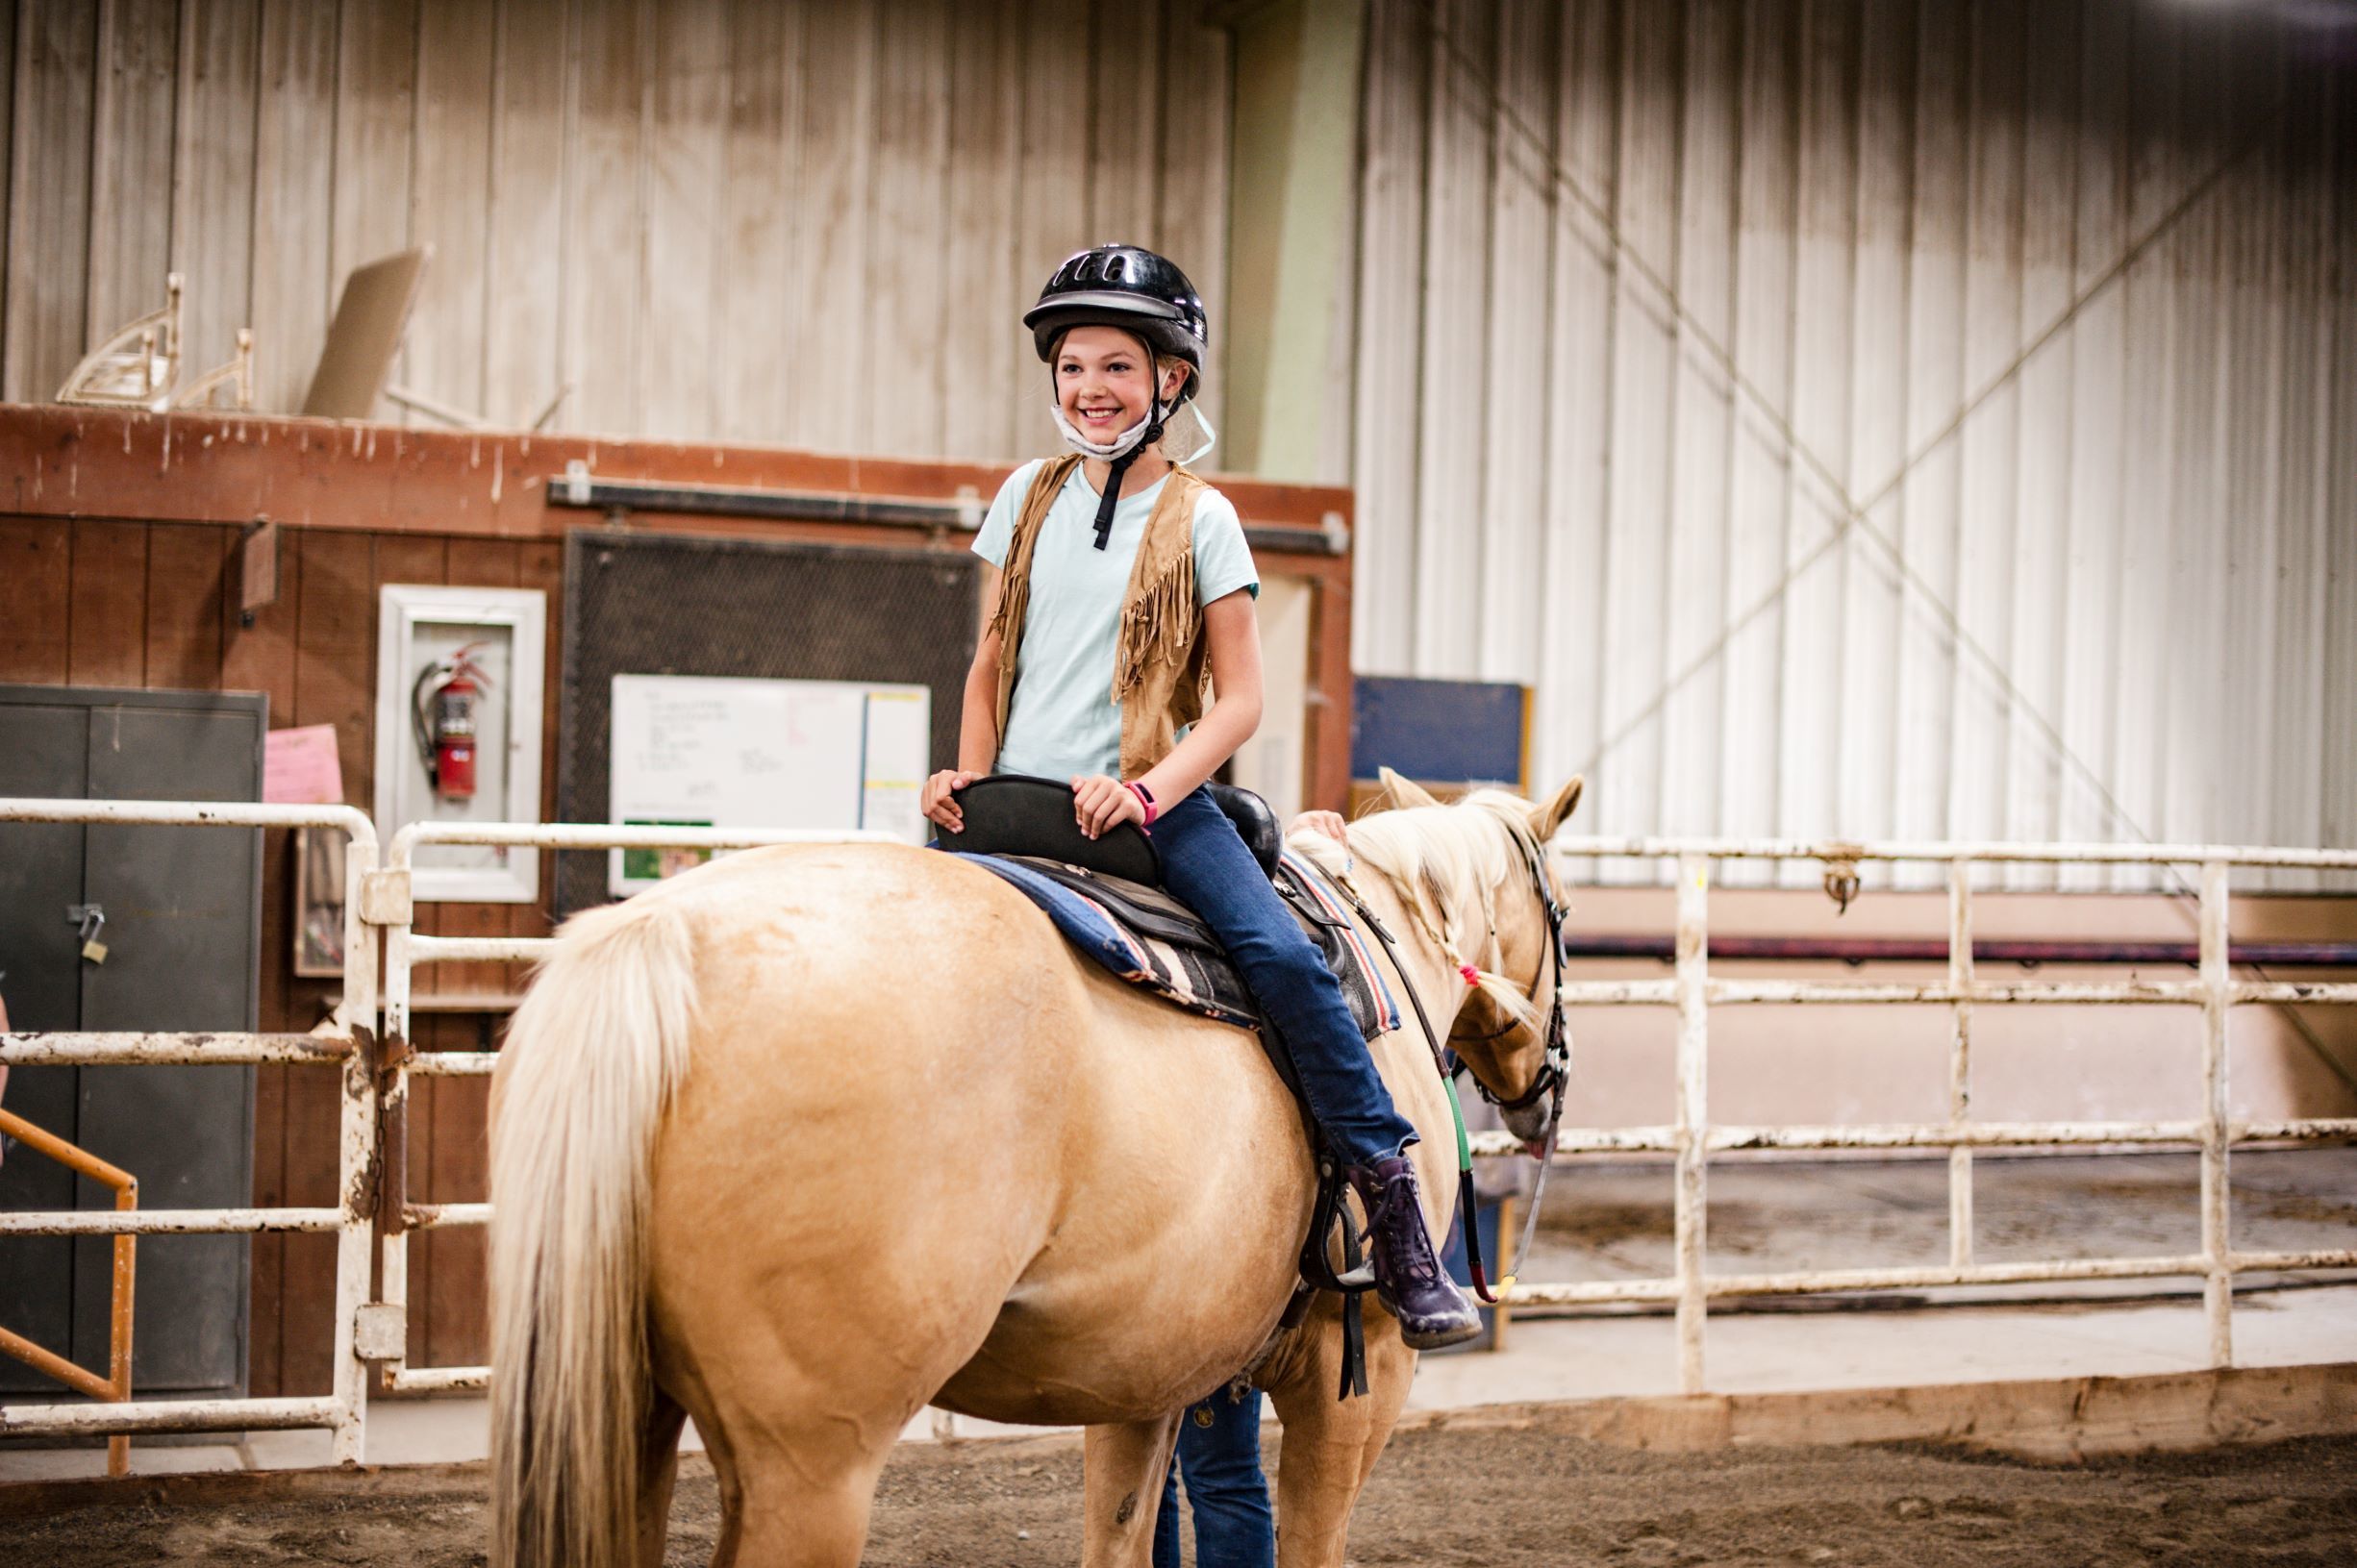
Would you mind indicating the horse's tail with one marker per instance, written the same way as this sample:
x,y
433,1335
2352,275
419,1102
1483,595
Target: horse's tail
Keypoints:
x,y
594,1057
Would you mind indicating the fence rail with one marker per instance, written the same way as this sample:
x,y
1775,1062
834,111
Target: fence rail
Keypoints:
x,y
346,1043
1691,1138
374,1217
404,950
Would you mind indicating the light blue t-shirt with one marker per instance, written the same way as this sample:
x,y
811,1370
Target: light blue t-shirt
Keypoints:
x,y
1063,719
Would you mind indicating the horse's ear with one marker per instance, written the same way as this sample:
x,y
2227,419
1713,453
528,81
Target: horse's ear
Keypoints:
x,y
1545,819
1406,791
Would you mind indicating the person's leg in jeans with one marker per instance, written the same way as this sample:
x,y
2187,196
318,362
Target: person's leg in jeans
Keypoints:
x,y
1225,1487
1206,865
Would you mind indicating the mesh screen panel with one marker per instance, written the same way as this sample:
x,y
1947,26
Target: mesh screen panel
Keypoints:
x,y
670,603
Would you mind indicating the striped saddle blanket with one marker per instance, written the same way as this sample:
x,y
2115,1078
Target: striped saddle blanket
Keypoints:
x,y
1144,935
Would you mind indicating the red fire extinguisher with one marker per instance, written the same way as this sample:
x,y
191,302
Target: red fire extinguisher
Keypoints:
x,y
443,719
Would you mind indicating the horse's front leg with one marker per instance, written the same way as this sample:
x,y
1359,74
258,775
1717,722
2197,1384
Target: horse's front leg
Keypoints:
x,y
1331,1445
1122,1471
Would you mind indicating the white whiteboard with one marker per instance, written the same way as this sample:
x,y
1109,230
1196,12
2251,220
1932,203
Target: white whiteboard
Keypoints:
x,y
724,752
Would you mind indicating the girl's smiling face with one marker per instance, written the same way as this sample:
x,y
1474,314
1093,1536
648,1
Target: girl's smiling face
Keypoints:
x,y
1103,377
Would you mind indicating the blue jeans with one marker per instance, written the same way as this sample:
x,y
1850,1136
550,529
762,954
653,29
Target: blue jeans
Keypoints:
x,y
1206,865
1233,1528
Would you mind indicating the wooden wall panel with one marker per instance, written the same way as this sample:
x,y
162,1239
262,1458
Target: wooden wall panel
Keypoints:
x,y
453,1305
260,657
1124,94
214,164
832,294
132,152
605,230
991,370
335,652
293,198
8,129
450,200
184,565
1051,183
1191,217
758,237
904,302
525,267
376,133
788,221
106,638
686,148
36,579
50,146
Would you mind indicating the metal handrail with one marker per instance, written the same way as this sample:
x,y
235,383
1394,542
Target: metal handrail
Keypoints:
x,y
116,1386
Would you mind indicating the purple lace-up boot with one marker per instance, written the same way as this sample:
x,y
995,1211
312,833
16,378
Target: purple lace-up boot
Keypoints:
x,y
1408,1279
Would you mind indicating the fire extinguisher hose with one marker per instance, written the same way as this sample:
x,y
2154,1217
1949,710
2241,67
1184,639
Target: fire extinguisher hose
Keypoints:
x,y
421,728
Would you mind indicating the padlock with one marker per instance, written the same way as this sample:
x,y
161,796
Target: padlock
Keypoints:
x,y
90,919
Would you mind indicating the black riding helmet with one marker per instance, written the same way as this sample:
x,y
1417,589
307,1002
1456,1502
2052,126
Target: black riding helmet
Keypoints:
x,y
1138,291
1129,288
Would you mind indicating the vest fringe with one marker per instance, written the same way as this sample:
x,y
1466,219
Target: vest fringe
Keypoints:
x,y
1157,626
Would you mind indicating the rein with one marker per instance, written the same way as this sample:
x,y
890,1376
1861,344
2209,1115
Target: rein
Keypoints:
x,y
1553,1077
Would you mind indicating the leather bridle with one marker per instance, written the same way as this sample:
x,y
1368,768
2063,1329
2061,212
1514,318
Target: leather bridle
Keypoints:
x,y
1553,1077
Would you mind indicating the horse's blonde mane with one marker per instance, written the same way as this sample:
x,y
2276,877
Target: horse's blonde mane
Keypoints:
x,y
1443,859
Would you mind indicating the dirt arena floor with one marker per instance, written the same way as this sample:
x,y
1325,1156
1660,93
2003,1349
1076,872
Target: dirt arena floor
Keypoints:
x,y
1493,1497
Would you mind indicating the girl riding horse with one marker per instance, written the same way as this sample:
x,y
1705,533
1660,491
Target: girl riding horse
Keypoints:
x,y
1123,591
809,1137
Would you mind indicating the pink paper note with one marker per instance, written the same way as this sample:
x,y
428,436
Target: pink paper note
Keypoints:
x,y
299,767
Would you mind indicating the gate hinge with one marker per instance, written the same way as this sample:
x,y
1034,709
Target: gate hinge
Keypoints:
x,y
384,898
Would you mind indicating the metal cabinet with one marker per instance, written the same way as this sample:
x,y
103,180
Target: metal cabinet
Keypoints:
x,y
182,931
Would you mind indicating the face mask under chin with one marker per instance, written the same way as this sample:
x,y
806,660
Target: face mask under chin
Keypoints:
x,y
1080,444
1178,425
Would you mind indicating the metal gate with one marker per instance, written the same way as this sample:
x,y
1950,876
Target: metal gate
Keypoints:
x,y
344,1043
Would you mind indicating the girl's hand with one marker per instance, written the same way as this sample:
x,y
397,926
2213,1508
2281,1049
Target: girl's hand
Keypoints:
x,y
1100,805
938,807
1329,823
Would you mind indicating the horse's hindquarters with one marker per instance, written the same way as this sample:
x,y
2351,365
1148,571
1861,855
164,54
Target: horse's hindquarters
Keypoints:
x,y
1187,1174
919,1146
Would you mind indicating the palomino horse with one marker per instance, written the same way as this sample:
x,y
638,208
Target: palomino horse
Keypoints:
x,y
812,1136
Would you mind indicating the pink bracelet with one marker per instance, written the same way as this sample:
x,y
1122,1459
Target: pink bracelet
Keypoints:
x,y
1146,798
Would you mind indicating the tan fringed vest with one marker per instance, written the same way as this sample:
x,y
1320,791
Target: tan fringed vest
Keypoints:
x,y
1161,669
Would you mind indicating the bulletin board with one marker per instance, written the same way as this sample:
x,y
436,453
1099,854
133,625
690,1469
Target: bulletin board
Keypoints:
x,y
646,603
730,752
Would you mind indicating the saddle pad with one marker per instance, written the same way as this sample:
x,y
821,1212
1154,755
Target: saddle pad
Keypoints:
x,y
1144,935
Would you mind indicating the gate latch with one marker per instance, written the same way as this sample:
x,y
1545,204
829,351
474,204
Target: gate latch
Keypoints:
x,y
90,919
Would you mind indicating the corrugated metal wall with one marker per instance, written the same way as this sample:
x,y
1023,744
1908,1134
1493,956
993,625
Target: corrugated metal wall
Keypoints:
x,y
795,221
1874,419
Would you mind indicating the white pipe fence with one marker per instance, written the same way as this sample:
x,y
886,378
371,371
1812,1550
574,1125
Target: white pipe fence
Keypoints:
x,y
404,949
347,1042
376,1069
1691,1138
